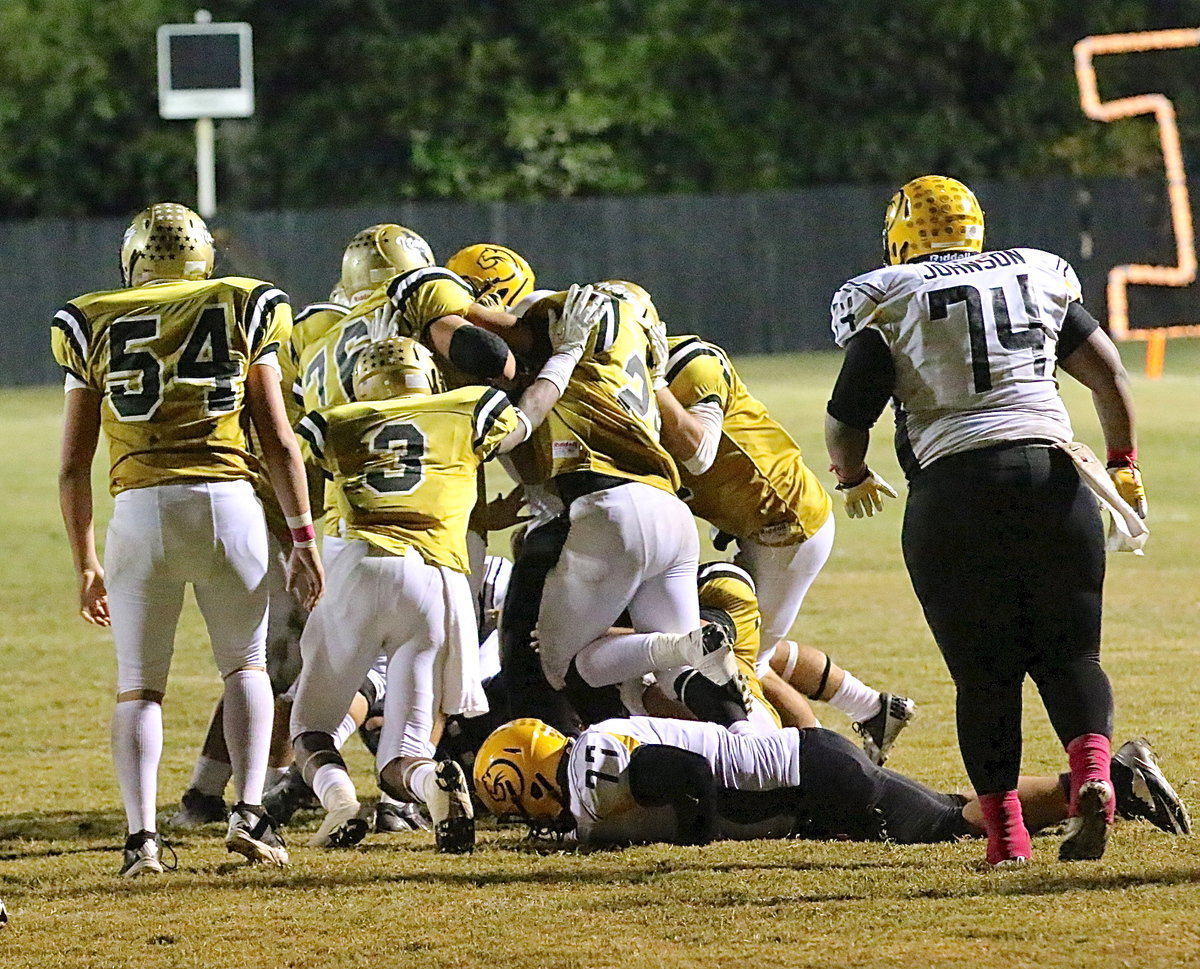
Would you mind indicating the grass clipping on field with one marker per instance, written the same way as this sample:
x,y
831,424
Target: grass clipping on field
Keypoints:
x,y
394,902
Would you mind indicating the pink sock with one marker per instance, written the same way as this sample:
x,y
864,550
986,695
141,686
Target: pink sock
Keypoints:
x,y
1006,834
1090,755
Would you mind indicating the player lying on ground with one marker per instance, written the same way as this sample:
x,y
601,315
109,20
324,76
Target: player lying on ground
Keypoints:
x,y
645,779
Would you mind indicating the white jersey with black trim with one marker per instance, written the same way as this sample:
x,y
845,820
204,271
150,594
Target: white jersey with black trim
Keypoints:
x,y
972,338
598,772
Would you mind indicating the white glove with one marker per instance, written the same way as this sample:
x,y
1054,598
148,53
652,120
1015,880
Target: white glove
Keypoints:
x,y
658,355
570,330
866,497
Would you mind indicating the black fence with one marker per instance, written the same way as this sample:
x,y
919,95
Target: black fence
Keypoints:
x,y
753,272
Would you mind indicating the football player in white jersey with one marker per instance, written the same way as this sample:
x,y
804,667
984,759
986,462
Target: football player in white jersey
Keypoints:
x,y
637,780
166,366
1002,537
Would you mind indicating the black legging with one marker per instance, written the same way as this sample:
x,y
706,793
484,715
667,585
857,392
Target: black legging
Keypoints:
x,y
1005,549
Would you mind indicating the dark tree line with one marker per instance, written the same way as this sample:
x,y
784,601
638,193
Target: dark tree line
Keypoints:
x,y
362,101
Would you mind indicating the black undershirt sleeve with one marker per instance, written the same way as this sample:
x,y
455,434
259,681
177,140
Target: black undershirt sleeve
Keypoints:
x,y
478,352
1076,328
865,383
665,776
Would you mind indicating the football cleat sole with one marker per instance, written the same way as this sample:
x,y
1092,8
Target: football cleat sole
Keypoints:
x,y
1087,832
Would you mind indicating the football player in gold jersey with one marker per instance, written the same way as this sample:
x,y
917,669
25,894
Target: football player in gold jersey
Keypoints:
x,y
165,367
404,461
629,543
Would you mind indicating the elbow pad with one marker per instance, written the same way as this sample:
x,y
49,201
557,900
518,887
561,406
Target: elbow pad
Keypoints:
x,y
478,352
711,418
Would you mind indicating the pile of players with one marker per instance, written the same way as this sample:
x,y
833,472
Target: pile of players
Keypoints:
x,y
628,693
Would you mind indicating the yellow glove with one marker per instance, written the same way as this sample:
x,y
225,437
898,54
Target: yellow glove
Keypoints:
x,y
1128,481
866,496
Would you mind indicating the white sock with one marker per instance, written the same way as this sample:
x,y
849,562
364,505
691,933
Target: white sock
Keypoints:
x,y
615,659
137,742
855,699
333,786
249,715
386,798
210,776
418,776
345,729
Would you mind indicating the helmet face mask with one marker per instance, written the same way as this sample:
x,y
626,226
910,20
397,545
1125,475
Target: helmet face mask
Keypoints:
x,y
499,274
516,772
378,253
395,367
166,241
630,292
928,215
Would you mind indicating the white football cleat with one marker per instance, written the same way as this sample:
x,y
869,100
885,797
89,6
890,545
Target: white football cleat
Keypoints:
x,y
343,827
143,855
449,801
252,833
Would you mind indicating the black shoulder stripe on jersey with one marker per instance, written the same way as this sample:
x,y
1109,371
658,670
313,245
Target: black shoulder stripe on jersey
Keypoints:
x,y
489,407
269,348
298,392
403,286
75,327
263,300
312,428
74,373
610,325
313,308
707,399
873,292
675,364
724,570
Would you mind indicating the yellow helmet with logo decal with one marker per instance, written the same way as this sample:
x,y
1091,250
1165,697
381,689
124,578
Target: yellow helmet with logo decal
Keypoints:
x,y
516,771
496,272
931,214
166,241
396,367
378,253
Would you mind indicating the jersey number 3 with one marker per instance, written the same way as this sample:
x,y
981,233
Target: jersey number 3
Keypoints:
x,y
978,320
397,459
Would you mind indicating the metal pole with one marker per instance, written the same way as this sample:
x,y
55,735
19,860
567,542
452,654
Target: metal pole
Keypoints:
x,y
206,168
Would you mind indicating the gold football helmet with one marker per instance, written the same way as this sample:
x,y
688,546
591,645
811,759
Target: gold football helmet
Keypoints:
x,y
377,254
396,367
930,214
631,293
166,241
516,771
495,271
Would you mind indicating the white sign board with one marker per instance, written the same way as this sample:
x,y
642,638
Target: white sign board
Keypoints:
x,y
205,70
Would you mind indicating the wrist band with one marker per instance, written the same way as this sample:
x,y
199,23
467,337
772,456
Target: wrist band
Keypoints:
x,y
847,485
299,521
1122,457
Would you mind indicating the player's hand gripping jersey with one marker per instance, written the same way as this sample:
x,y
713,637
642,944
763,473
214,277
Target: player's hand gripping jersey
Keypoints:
x,y
404,306
404,470
758,486
607,419
171,359
973,344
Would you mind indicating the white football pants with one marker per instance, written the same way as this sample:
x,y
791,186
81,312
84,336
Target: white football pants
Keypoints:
x,y
377,603
633,546
782,577
210,534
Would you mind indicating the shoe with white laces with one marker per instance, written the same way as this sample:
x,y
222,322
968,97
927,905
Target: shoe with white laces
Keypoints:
x,y
143,855
343,827
1087,830
880,732
449,801
1143,791
714,657
252,833
197,808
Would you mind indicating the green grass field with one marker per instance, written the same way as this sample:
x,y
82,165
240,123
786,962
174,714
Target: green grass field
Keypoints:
x,y
394,902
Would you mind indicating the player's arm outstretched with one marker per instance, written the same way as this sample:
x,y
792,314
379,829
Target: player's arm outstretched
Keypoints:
x,y
281,454
569,334
81,434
